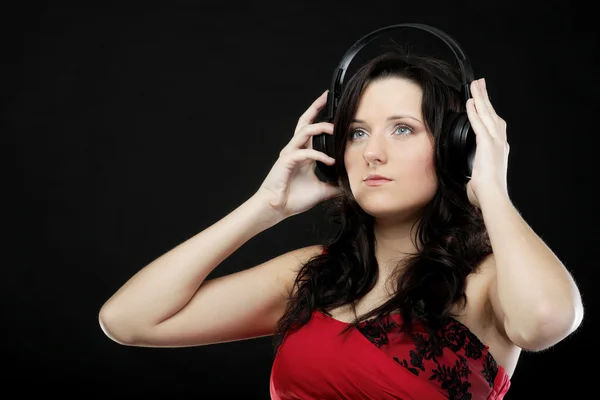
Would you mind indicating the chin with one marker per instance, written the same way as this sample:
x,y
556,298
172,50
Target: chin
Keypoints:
x,y
402,201
400,212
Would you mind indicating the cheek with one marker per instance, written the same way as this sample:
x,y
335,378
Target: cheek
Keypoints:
x,y
350,163
420,162
427,165
420,171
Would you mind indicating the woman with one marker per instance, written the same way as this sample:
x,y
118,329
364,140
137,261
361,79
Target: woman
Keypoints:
x,y
429,290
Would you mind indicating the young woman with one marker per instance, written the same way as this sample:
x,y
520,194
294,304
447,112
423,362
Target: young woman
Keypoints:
x,y
429,290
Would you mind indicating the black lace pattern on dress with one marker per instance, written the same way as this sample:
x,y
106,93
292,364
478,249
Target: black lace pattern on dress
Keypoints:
x,y
426,356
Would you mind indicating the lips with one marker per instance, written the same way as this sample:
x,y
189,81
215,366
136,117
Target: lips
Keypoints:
x,y
376,180
376,177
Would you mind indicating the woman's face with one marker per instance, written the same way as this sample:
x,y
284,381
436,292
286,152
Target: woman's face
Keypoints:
x,y
388,137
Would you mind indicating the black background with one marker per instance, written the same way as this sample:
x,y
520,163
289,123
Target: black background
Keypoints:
x,y
131,128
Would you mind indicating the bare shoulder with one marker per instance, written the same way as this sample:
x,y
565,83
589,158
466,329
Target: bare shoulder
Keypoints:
x,y
293,261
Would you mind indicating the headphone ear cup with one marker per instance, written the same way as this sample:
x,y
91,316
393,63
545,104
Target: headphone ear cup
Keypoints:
x,y
324,143
458,145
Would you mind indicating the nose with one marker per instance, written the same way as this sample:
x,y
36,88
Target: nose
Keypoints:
x,y
374,152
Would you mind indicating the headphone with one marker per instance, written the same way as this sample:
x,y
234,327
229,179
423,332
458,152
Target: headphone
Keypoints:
x,y
457,142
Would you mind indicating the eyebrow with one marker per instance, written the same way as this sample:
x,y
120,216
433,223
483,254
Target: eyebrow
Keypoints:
x,y
393,117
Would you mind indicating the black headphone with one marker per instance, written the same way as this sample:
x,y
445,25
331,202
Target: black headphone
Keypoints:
x,y
457,142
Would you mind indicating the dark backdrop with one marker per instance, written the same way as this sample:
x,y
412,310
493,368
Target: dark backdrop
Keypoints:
x,y
131,128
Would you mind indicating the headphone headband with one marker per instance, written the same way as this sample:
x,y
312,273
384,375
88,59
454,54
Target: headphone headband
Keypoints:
x,y
339,73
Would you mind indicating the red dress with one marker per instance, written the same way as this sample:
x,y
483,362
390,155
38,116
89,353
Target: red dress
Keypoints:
x,y
315,362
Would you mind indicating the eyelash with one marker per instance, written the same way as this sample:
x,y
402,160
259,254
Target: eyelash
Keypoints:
x,y
403,126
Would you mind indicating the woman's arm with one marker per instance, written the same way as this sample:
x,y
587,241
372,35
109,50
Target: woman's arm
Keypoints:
x,y
535,300
534,295
168,302
146,303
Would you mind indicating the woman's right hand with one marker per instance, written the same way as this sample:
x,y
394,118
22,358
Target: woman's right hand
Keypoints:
x,y
291,187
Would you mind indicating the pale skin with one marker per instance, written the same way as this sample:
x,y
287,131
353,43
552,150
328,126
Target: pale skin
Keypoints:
x,y
520,297
534,301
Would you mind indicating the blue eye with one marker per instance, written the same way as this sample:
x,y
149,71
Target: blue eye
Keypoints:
x,y
352,135
399,130
403,129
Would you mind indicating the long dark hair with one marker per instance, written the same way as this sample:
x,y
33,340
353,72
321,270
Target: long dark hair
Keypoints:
x,y
450,235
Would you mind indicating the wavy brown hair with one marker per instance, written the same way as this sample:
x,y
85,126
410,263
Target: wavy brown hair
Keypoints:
x,y
450,235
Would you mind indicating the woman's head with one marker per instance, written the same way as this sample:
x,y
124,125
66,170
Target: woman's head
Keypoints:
x,y
389,121
449,234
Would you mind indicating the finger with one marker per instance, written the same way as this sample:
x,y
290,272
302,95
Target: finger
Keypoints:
x,y
311,113
485,114
479,96
477,124
498,129
310,154
486,98
302,140
303,136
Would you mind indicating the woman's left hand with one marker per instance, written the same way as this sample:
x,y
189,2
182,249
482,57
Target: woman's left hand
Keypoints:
x,y
488,178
